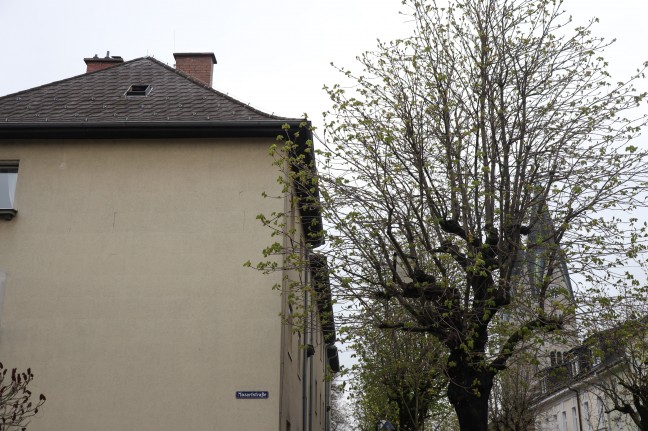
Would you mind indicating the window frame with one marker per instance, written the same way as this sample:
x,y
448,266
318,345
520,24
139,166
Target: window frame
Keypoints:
x,y
9,167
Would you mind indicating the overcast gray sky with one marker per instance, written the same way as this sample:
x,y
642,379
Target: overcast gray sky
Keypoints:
x,y
273,54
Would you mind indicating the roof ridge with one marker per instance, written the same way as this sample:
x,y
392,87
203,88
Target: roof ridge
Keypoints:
x,y
38,87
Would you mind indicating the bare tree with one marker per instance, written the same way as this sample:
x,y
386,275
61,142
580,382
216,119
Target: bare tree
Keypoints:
x,y
16,404
512,406
493,120
621,380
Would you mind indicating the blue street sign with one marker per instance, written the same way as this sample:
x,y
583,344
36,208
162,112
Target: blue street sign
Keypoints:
x,y
252,395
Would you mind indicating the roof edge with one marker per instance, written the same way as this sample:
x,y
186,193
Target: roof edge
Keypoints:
x,y
143,130
69,78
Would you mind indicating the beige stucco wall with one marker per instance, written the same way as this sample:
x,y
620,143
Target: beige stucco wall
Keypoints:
x,y
126,293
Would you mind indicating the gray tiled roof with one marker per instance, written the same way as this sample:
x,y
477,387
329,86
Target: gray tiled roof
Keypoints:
x,y
99,98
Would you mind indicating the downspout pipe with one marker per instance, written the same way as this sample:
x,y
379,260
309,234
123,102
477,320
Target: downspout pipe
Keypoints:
x,y
304,353
327,404
311,356
578,407
308,351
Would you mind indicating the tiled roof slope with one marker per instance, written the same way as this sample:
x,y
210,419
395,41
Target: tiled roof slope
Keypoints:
x,y
99,98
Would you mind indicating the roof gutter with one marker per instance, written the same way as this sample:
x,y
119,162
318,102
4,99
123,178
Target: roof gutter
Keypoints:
x,y
146,130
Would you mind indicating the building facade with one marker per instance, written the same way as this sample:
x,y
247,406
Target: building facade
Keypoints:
x,y
574,393
129,198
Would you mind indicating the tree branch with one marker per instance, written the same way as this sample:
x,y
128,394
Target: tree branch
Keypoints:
x,y
550,325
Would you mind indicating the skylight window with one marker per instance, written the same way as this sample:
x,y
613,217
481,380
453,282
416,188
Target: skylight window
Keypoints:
x,y
138,90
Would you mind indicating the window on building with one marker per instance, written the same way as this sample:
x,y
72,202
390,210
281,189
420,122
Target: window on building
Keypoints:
x,y
557,358
553,290
563,422
574,419
8,178
574,366
588,421
600,414
299,355
597,359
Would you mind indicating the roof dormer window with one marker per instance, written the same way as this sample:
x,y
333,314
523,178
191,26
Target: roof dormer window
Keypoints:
x,y
138,90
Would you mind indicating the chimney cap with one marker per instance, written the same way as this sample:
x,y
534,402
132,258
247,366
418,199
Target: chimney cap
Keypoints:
x,y
97,59
95,63
196,54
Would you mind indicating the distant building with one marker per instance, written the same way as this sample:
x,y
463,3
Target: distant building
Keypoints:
x,y
542,279
562,378
542,288
576,393
129,196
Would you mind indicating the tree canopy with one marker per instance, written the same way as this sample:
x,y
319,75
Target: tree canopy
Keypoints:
x,y
464,165
399,377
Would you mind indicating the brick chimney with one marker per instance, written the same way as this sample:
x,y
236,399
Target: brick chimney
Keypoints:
x,y
95,63
198,65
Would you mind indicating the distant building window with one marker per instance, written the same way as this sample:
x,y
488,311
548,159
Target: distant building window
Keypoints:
x,y
553,290
574,367
588,421
597,359
556,358
8,178
600,414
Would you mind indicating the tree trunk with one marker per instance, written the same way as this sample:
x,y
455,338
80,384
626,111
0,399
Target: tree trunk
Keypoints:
x,y
405,420
411,413
468,392
642,424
